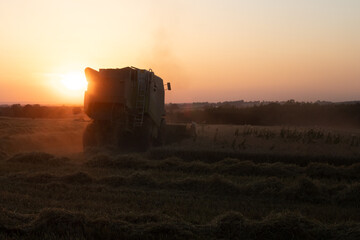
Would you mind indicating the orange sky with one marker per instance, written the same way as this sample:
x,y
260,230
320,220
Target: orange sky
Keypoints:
x,y
209,50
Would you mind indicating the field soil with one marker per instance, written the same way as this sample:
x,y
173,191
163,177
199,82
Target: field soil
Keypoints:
x,y
228,182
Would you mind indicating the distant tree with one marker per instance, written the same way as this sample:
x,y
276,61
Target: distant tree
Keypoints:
x,y
16,110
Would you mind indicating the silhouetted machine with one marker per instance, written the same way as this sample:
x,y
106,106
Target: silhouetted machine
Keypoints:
x,y
127,108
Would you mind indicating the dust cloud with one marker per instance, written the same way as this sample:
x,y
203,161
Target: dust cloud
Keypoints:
x,y
55,136
161,57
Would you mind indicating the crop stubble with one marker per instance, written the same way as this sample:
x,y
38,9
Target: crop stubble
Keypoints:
x,y
174,192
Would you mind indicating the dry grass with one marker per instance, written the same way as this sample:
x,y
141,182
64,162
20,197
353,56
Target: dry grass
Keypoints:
x,y
176,192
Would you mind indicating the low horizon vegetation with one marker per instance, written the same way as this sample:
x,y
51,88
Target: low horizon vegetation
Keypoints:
x,y
290,113
272,114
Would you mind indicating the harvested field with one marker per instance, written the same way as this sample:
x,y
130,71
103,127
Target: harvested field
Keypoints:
x,y
189,190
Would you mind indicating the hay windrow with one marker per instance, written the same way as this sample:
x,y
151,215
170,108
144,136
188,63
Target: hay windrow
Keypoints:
x,y
227,166
301,189
211,156
77,178
231,225
136,179
350,195
270,187
213,185
44,178
305,190
183,191
121,162
38,158
41,178
3,155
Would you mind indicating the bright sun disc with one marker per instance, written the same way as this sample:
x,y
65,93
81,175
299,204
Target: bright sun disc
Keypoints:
x,y
74,81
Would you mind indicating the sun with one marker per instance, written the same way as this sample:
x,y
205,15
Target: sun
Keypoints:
x,y
74,81
68,86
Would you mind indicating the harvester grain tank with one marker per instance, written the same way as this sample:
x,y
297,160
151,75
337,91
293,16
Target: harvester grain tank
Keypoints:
x,y
127,108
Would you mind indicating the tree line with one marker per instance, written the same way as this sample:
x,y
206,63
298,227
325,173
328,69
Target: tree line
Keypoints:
x,y
289,113
270,114
38,111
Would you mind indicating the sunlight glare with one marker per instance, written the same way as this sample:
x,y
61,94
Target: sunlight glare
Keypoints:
x,y
74,81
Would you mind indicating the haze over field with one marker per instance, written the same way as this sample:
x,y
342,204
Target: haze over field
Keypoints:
x,y
209,50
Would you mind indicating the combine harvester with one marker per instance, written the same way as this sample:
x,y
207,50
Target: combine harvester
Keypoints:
x,y
128,110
